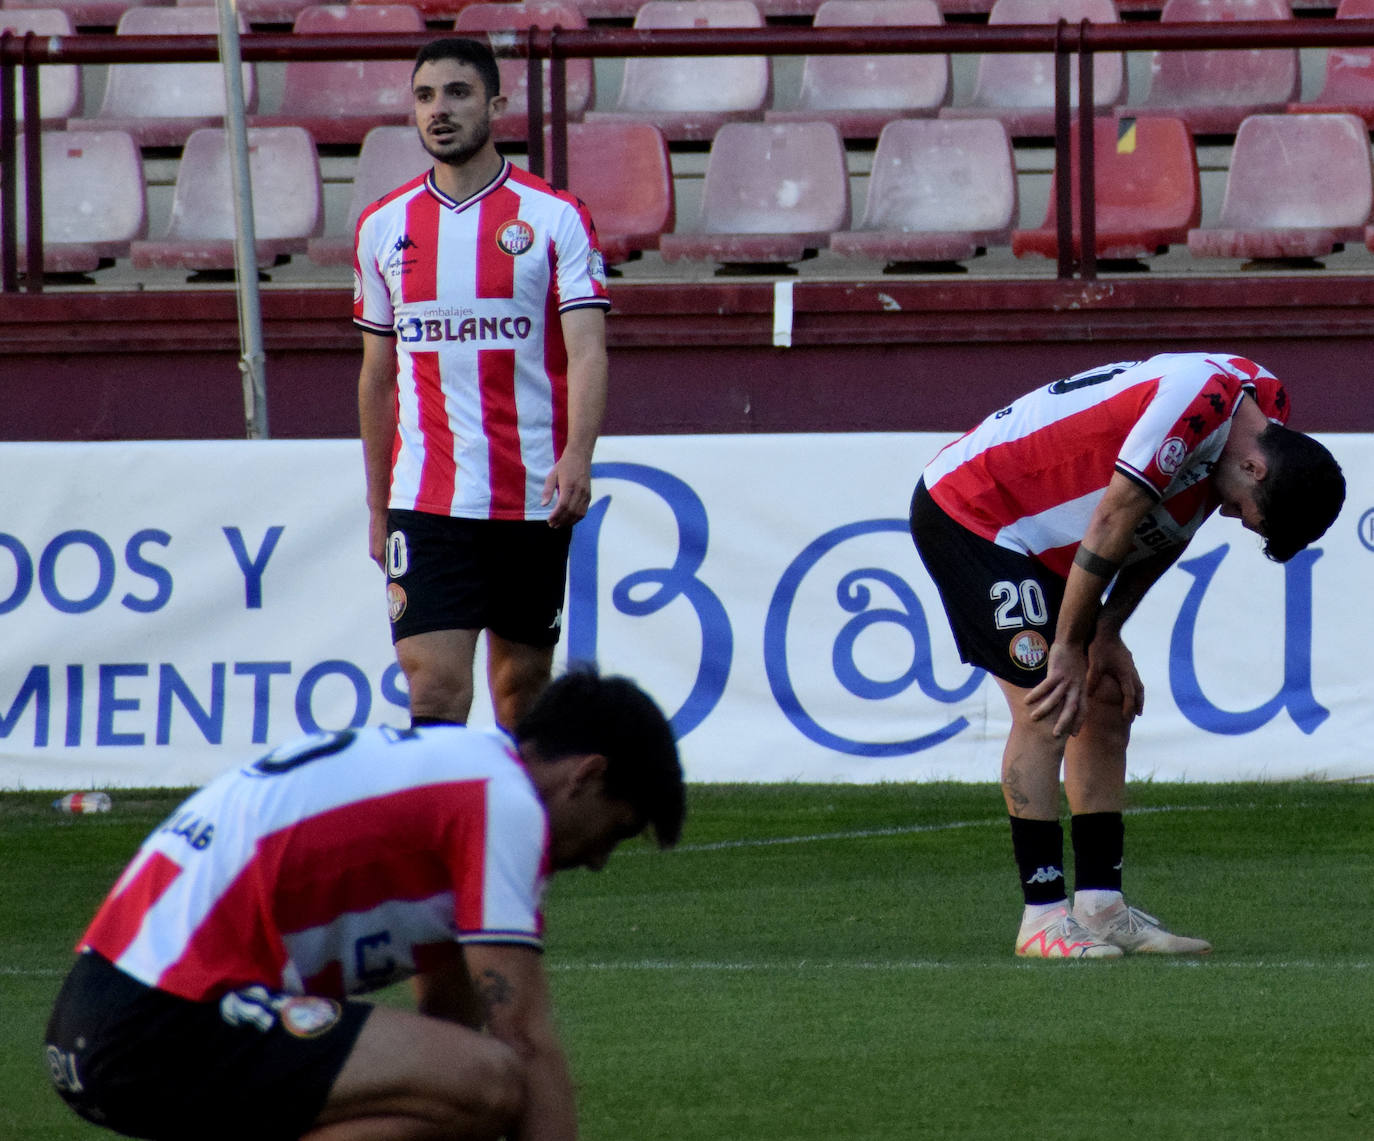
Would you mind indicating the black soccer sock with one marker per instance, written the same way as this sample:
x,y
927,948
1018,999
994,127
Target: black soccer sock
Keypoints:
x,y
417,722
1039,849
1099,840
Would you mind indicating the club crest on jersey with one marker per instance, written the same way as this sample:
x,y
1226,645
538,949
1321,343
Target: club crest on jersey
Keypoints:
x,y
515,237
395,601
1171,455
308,1016
1029,650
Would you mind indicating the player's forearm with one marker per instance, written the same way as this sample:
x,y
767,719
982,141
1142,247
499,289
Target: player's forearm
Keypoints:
x,y
377,422
587,382
1130,587
550,1104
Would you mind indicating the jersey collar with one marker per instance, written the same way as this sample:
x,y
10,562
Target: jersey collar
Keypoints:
x,y
457,206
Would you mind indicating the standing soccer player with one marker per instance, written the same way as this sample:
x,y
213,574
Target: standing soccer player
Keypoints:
x,y
215,993
481,295
1093,485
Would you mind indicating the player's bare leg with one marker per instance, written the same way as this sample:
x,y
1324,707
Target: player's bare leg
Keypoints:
x,y
438,669
1030,761
415,1078
517,674
1095,760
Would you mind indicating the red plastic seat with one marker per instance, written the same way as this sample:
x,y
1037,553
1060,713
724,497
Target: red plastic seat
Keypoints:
x,y
624,173
260,11
83,14
940,191
1147,193
1212,91
59,85
433,11
519,17
93,199
285,174
861,93
1299,186
689,97
390,157
1018,88
339,101
773,193
160,104
1349,84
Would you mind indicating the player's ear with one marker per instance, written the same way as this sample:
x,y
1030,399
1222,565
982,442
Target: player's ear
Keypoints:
x,y
588,772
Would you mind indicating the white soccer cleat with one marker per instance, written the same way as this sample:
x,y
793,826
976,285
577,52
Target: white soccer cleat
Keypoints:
x,y
1059,935
1135,932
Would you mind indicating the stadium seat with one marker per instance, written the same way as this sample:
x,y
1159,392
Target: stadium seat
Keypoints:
x,y
260,11
59,85
1349,83
93,199
940,191
339,101
160,104
390,156
690,97
1146,188
435,12
1212,91
1018,88
285,174
1298,188
860,93
84,14
773,194
623,172
520,16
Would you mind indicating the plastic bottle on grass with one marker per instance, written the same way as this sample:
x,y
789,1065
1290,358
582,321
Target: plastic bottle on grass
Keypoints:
x,y
79,803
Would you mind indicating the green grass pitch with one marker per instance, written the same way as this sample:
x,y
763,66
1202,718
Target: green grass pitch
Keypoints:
x,y
833,963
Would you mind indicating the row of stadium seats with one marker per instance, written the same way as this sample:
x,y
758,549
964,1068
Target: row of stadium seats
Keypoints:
x,y
939,192
690,98
105,13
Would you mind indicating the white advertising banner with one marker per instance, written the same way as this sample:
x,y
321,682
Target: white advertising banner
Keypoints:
x,y
170,609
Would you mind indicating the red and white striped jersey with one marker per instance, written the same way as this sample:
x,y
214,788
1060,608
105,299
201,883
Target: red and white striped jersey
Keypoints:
x,y
334,866
472,291
1030,476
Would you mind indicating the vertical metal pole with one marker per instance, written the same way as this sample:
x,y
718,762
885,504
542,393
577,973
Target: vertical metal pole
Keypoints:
x,y
33,173
1063,183
9,182
252,359
1087,176
534,100
558,113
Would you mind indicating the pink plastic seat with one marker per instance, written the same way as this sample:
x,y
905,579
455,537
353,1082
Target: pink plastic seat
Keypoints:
x,y
433,11
93,199
623,172
1146,187
940,191
1299,187
1349,84
259,11
390,157
59,85
860,93
519,17
1018,88
689,97
339,101
285,175
84,14
773,193
160,104
1212,91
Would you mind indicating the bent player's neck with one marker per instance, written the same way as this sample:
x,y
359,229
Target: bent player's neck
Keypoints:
x,y
461,182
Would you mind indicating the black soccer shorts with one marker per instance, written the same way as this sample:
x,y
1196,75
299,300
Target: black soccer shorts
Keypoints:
x,y
506,576
151,1064
1002,605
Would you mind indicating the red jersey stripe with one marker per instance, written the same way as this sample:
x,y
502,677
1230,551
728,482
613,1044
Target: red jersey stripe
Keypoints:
x,y
496,267
500,426
420,257
119,919
439,469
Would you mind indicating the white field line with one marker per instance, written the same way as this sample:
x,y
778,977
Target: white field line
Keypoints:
x,y
900,966
899,830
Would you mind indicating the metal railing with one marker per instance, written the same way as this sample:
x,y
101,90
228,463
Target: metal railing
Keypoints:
x,y
22,55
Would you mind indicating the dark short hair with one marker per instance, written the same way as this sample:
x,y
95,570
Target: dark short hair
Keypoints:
x,y
464,50
585,713
1301,493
